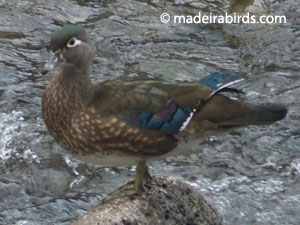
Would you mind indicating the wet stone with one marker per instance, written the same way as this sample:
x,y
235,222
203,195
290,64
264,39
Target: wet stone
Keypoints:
x,y
176,204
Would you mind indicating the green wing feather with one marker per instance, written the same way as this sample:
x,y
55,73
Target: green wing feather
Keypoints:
x,y
117,96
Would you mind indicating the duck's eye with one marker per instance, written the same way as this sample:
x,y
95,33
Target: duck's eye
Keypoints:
x,y
73,42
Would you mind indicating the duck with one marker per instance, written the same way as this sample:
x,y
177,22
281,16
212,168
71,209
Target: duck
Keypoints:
x,y
136,120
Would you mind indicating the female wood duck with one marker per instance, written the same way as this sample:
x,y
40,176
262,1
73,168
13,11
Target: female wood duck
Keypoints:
x,y
133,121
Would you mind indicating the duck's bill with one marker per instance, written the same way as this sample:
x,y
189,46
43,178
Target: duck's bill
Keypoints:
x,y
55,58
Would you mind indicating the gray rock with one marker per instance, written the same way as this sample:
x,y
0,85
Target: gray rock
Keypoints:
x,y
165,201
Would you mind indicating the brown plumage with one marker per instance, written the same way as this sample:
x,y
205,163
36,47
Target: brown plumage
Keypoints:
x,y
127,121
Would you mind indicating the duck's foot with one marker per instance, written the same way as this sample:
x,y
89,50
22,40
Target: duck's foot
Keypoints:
x,y
127,190
136,187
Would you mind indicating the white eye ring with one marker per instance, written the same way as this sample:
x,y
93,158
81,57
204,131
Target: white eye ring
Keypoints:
x,y
73,42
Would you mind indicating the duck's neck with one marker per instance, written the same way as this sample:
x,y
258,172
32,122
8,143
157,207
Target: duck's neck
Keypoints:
x,y
76,88
65,96
76,71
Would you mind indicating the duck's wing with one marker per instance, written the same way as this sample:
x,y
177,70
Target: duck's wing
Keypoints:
x,y
149,116
171,107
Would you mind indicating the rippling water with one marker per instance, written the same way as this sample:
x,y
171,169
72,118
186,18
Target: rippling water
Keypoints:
x,y
251,175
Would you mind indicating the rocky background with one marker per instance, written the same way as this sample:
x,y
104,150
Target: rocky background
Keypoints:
x,y
251,175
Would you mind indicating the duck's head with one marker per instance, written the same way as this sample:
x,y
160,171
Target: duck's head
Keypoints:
x,y
71,45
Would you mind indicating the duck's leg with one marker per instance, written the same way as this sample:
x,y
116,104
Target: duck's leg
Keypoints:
x,y
142,177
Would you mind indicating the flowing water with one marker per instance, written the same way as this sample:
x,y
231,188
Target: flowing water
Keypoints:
x,y
252,175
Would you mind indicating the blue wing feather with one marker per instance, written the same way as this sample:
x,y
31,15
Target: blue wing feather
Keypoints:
x,y
217,81
174,118
173,126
